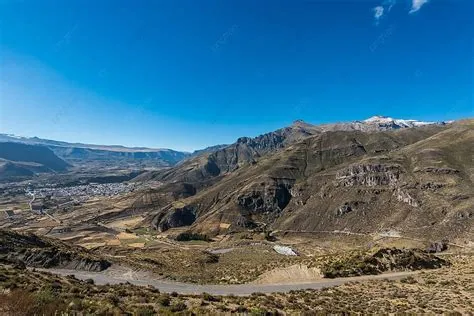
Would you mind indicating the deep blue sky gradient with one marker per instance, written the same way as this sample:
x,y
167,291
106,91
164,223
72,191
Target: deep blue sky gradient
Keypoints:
x,y
188,74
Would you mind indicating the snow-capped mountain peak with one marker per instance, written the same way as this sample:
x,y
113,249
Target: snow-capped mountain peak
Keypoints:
x,y
378,119
385,120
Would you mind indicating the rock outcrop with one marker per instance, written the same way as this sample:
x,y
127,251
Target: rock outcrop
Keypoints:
x,y
174,217
33,251
369,175
437,246
438,170
54,258
387,259
405,197
348,207
268,199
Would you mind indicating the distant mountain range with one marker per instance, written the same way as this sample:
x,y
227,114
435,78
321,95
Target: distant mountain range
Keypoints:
x,y
227,158
80,154
221,159
91,151
49,142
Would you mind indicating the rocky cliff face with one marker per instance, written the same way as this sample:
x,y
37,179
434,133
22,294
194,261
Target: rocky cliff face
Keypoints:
x,y
174,217
369,175
267,200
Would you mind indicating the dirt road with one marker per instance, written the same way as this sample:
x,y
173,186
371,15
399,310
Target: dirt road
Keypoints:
x,y
121,276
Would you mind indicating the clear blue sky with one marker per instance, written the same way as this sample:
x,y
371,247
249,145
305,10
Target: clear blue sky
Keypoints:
x,y
188,74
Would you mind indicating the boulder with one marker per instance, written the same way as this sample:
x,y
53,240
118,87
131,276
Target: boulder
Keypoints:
x,y
437,246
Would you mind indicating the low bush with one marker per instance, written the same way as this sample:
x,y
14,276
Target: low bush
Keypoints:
x,y
178,307
146,310
208,297
164,300
187,236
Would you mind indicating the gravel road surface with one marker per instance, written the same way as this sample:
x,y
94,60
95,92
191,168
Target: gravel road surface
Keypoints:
x,y
112,276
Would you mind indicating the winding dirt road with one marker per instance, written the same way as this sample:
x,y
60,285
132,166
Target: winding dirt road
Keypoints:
x,y
137,278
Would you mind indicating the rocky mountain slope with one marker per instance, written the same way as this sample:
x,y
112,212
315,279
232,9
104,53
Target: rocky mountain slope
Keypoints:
x,y
248,150
40,252
381,261
31,153
405,181
11,170
19,160
209,149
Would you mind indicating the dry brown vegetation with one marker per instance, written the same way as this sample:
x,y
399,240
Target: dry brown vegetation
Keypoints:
x,y
448,290
240,265
414,183
245,260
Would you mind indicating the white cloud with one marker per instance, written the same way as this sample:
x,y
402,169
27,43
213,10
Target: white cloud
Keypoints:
x,y
378,13
383,9
386,6
389,4
416,5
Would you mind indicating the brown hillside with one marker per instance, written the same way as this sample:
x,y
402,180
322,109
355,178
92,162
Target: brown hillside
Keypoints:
x,y
415,182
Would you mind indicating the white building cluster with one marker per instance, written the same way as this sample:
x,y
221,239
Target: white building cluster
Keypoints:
x,y
85,191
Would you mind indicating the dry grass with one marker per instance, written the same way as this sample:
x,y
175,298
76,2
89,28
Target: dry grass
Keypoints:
x,y
448,290
137,245
193,264
125,223
124,236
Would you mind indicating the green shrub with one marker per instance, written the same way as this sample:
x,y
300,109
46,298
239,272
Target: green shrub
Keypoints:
x,y
45,296
408,280
178,307
89,281
187,236
258,312
146,310
164,300
240,309
208,297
